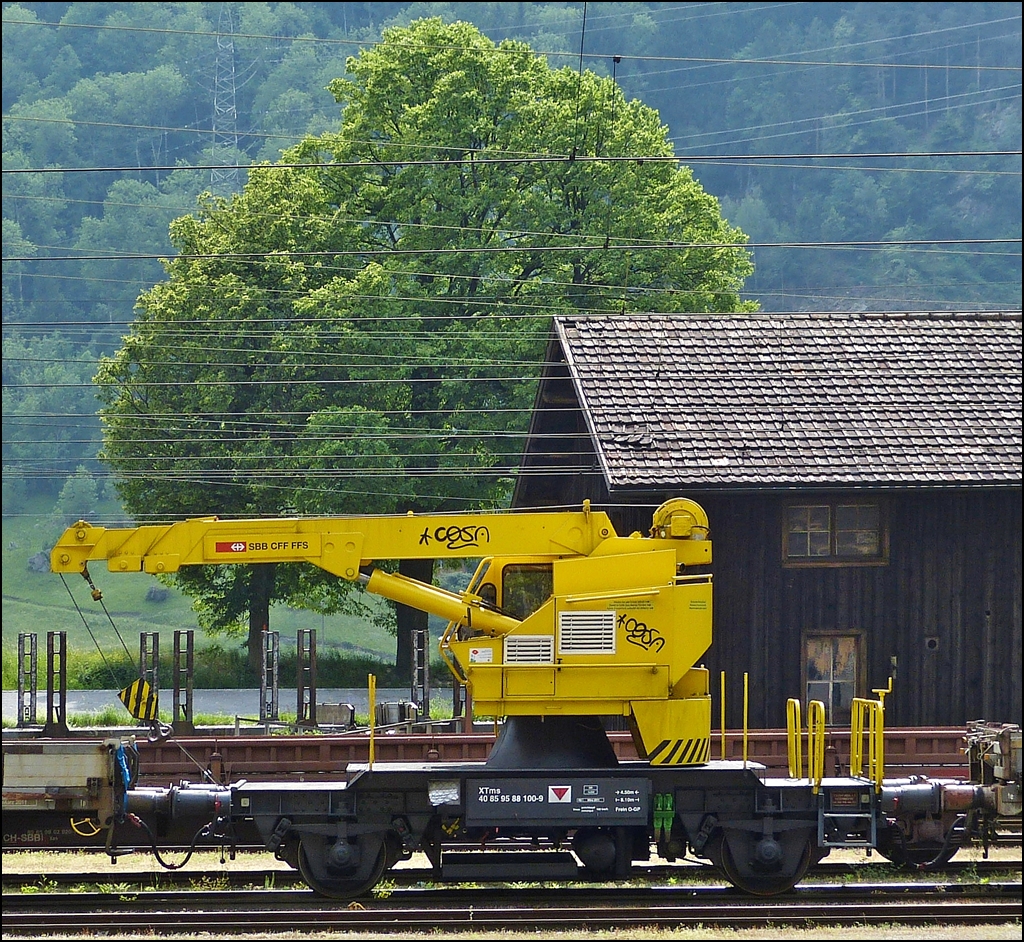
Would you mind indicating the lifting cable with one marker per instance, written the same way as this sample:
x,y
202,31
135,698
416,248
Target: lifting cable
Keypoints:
x,y
160,732
98,597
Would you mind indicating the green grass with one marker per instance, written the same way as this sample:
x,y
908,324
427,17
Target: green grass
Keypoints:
x,y
114,716
348,647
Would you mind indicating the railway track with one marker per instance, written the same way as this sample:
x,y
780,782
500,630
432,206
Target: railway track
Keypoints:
x,y
411,876
483,908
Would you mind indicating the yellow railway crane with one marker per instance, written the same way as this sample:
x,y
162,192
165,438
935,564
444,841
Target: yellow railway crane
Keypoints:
x,y
563,621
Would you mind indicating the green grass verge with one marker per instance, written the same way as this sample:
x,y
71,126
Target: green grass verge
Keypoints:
x,y
117,716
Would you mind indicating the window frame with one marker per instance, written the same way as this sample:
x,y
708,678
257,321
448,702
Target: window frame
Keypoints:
x,y
520,568
833,559
860,669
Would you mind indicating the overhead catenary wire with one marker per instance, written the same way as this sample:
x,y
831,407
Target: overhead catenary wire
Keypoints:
x,y
471,157
704,60
751,246
511,310
798,59
480,299
272,256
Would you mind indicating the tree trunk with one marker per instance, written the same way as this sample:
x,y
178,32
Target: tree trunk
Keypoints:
x,y
410,619
261,591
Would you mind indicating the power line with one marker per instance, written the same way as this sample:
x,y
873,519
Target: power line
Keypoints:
x,y
505,250
362,44
504,308
738,160
682,374
475,161
844,127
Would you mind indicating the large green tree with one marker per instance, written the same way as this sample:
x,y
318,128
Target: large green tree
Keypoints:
x,y
361,328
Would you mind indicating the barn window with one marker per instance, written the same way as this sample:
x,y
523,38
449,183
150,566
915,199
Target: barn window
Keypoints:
x,y
831,665
844,532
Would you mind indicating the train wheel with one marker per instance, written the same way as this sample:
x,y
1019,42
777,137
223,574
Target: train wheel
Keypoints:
x,y
339,869
760,872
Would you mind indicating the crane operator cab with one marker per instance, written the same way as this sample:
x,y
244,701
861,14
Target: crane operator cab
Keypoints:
x,y
615,633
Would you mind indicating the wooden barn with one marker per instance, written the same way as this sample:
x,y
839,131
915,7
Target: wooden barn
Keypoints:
x,y
862,475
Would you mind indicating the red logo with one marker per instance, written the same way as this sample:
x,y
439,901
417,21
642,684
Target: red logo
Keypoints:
x,y
559,793
236,547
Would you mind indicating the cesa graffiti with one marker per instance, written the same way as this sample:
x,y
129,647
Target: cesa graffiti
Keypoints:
x,y
456,537
637,632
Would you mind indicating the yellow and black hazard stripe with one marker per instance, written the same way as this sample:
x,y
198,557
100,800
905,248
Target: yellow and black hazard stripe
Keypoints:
x,y
140,700
681,752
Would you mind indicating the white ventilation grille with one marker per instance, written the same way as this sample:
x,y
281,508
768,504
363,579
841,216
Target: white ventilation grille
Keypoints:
x,y
529,649
586,632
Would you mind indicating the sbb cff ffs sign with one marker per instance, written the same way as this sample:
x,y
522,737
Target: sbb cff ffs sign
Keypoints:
x,y
299,548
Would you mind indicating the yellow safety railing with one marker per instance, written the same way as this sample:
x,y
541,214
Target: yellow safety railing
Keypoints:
x,y
371,685
794,738
867,720
815,743
869,716
746,709
721,685
746,704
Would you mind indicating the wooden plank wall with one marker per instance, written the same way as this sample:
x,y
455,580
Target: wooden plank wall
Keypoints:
x,y
946,606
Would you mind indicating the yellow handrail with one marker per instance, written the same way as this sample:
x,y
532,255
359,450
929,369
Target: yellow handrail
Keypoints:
x,y
815,743
371,684
721,685
794,738
746,701
858,707
872,712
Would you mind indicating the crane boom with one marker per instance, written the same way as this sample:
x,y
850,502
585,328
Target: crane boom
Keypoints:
x,y
340,545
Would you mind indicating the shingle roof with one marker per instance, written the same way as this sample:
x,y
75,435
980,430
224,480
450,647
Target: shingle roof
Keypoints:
x,y
753,400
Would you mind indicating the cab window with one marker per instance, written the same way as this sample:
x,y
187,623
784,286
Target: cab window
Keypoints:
x,y
525,587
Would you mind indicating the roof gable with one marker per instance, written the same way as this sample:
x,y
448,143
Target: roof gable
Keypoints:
x,y
756,400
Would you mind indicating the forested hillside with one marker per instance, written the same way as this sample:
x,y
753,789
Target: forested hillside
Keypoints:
x,y
870,153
